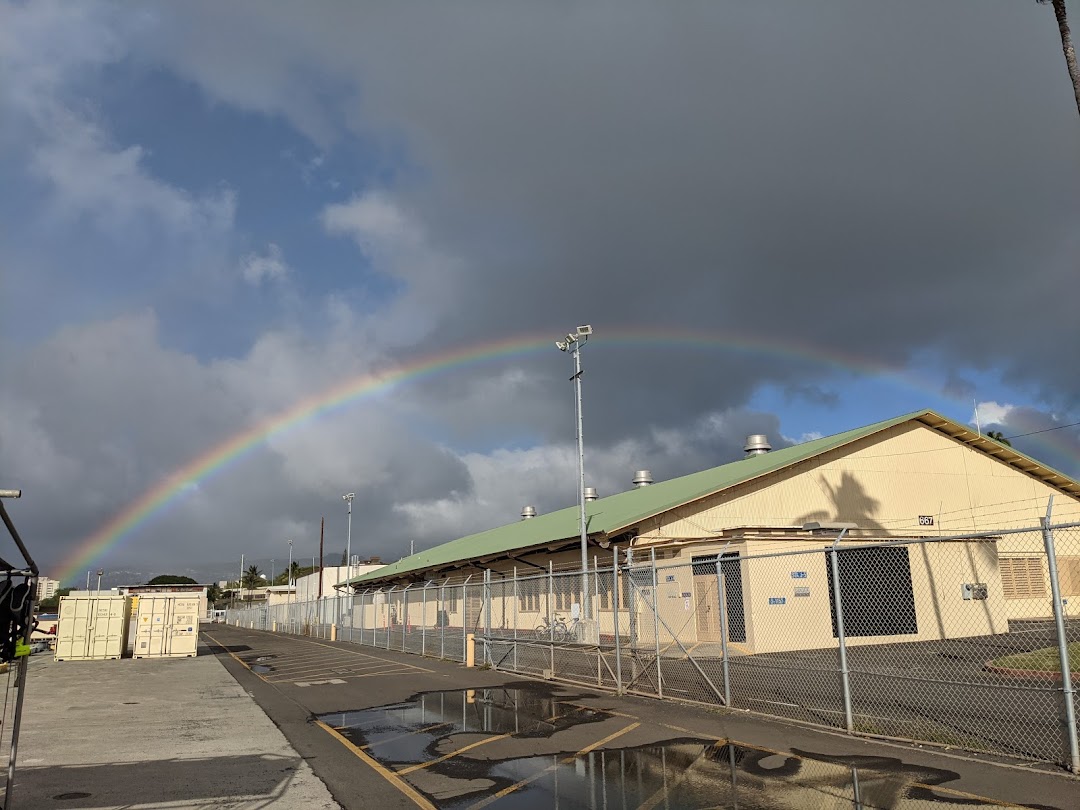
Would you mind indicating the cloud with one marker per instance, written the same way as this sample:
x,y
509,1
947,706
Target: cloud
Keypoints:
x,y
991,413
270,266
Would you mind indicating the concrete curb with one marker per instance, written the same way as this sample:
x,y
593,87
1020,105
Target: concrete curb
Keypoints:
x,y
1030,674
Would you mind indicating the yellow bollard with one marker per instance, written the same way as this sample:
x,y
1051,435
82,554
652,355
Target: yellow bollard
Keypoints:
x,y
333,632
470,650
273,627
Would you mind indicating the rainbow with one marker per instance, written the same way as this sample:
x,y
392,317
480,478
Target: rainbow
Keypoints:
x,y
160,496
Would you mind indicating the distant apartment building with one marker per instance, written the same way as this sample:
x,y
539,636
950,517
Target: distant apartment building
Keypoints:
x,y
47,588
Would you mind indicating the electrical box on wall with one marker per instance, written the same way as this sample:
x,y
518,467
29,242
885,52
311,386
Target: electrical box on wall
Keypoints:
x,y
974,590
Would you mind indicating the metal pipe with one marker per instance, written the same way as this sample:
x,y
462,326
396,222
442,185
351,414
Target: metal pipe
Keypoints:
x,y
1067,691
615,617
515,619
581,482
721,592
656,625
845,684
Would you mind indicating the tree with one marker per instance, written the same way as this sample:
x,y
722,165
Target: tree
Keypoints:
x,y
213,594
998,436
1066,45
171,579
253,578
53,602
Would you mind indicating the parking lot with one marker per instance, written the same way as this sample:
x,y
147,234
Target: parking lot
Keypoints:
x,y
429,733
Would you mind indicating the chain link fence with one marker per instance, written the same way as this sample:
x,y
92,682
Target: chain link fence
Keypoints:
x,y
958,641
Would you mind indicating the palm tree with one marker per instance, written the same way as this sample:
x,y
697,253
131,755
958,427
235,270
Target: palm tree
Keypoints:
x,y
253,578
998,436
1066,44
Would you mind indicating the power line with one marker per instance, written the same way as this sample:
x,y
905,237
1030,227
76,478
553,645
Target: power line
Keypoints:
x,y
1044,430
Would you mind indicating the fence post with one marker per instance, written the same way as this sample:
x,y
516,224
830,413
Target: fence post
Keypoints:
x,y
487,616
615,617
721,592
423,620
551,625
656,624
404,622
389,615
845,685
515,620
464,615
445,619
1067,691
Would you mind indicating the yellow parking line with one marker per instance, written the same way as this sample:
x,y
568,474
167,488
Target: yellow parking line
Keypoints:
x,y
391,777
329,666
451,755
506,791
235,657
423,730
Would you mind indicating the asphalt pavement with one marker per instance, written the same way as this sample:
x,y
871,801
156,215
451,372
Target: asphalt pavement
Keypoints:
x,y
390,729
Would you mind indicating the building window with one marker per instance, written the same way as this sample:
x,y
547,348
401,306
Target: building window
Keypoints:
x,y
1023,578
875,586
529,591
605,592
567,591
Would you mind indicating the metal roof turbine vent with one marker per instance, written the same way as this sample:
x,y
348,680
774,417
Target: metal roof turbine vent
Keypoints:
x,y
528,512
757,445
590,494
642,478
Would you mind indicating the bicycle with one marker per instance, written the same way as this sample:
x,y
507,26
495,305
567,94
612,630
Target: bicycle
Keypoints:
x,y
557,630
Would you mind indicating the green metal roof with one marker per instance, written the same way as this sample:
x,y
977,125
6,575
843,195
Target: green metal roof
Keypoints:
x,y
610,515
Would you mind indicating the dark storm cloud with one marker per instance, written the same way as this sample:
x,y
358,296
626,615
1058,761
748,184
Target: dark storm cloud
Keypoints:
x,y
867,179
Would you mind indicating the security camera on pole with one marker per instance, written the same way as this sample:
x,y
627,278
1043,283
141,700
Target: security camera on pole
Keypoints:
x,y
573,344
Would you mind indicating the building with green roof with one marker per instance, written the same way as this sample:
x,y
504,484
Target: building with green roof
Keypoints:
x,y
914,476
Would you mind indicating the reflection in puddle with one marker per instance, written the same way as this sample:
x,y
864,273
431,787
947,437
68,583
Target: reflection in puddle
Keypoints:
x,y
517,749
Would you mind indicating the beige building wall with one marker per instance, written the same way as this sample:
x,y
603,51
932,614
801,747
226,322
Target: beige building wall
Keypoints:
x,y
882,483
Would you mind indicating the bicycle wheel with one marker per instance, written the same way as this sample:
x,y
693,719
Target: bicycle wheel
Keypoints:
x,y
543,632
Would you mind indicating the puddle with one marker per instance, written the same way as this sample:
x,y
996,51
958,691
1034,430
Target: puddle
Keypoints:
x,y
515,748
262,669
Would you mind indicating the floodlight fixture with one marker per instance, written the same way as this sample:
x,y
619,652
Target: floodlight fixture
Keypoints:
x,y
562,345
584,331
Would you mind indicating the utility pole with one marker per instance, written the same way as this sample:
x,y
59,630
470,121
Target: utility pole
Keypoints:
x,y
322,524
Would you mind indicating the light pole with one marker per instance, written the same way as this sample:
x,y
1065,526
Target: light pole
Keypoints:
x,y
348,538
573,344
99,574
271,570
290,564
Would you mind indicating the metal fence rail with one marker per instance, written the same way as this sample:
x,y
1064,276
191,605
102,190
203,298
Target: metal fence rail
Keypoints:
x,y
968,641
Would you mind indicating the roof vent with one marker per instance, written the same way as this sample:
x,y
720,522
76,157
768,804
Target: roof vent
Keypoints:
x,y
590,494
757,445
528,512
642,478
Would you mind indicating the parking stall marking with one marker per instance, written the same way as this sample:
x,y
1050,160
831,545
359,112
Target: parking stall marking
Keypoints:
x,y
506,791
452,754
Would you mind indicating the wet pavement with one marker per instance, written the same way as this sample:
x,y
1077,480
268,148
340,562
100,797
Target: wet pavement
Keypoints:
x,y
464,749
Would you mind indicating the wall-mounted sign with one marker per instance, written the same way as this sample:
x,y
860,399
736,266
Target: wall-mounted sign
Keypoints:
x,y
802,590
777,600
926,520
686,594
669,578
798,575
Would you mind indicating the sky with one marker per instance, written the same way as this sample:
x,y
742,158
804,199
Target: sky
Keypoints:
x,y
779,217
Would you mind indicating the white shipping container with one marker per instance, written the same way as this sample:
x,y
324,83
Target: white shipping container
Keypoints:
x,y
91,627
166,626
